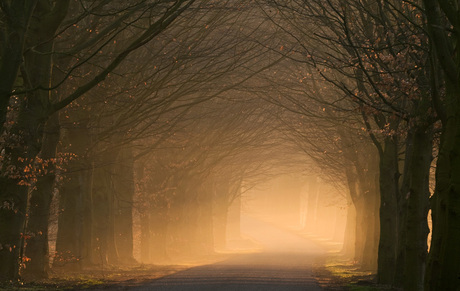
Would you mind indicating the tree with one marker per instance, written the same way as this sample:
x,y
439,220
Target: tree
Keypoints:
x,y
372,51
26,132
443,27
160,84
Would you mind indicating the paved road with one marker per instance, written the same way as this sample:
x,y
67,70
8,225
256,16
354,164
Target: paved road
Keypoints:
x,y
283,263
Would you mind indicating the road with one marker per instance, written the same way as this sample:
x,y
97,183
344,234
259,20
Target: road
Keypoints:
x,y
283,263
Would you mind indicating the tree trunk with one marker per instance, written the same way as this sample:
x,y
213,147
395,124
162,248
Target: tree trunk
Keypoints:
x,y
39,211
220,213
158,238
389,176
220,227
402,209
73,243
369,258
205,224
124,195
145,237
12,219
39,69
17,170
358,205
417,211
31,120
234,218
103,215
443,269
363,192
312,203
348,249
143,212
360,230
18,17
159,227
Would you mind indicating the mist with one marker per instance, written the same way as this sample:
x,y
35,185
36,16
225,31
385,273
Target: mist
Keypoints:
x,y
286,144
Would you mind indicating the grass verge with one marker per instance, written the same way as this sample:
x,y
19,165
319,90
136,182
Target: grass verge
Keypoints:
x,y
107,278
334,273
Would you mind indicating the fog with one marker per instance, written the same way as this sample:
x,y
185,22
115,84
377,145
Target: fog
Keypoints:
x,y
276,216
159,133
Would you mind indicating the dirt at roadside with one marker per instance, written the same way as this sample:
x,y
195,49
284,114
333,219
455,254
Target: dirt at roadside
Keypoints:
x,y
112,277
335,273
98,278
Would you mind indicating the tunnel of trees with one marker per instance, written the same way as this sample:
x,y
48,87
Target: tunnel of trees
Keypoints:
x,y
129,128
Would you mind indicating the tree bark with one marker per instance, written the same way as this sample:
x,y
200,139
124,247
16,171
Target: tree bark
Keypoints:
x,y
17,166
124,195
389,188
360,230
443,269
40,200
402,209
363,192
18,16
370,221
74,242
349,238
103,213
38,63
417,211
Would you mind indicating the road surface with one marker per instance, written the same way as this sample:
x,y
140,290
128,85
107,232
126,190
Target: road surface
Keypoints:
x,y
284,262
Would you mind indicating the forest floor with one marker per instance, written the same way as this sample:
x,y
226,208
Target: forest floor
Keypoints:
x,y
108,278
96,278
333,273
